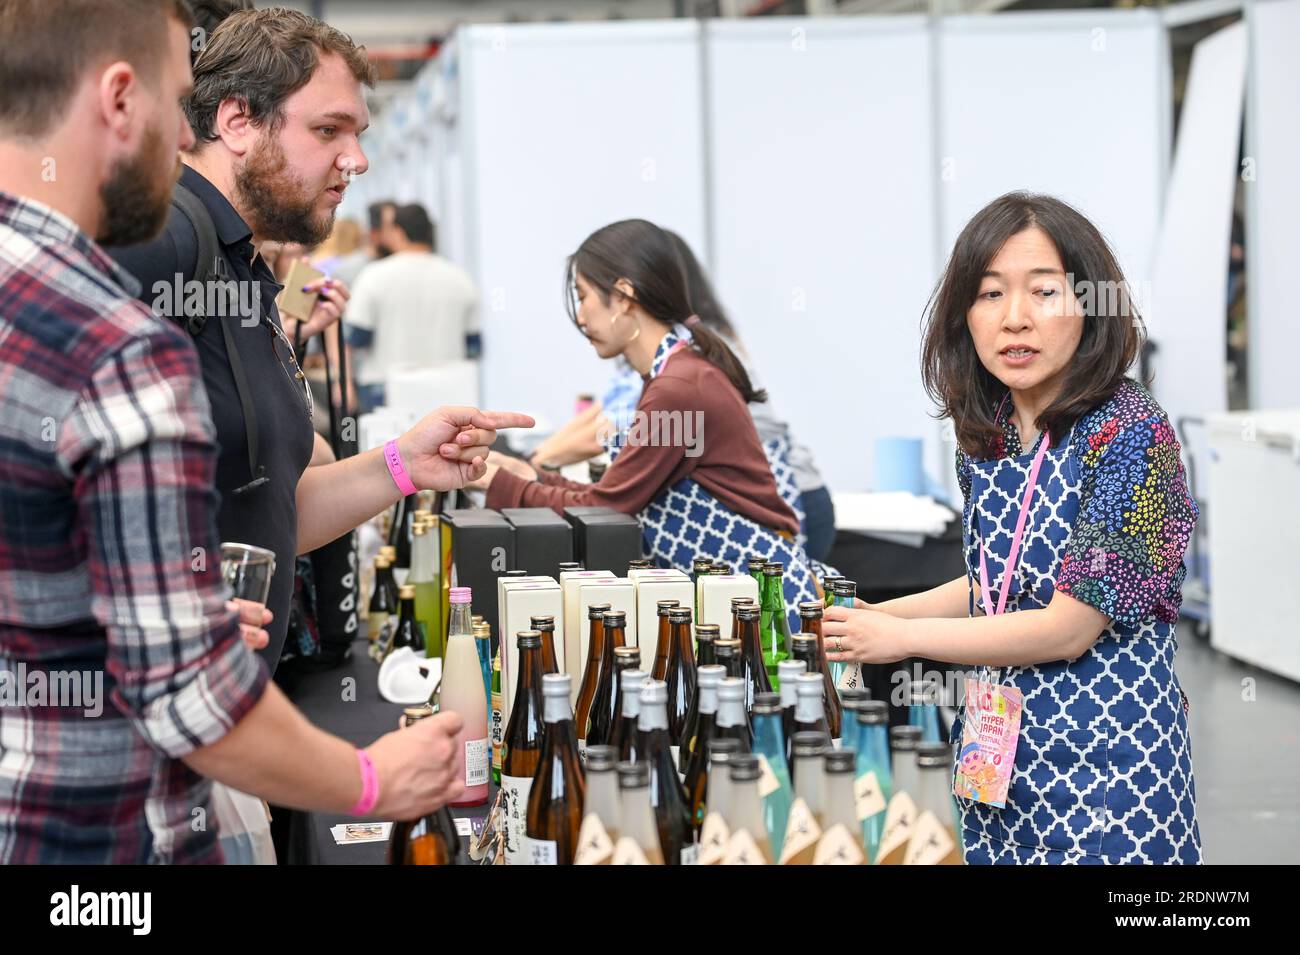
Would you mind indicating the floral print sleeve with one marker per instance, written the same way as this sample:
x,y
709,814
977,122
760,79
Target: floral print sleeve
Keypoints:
x,y
1125,553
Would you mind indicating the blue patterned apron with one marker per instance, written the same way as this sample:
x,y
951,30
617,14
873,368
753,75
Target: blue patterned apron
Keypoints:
x,y
684,521
1103,767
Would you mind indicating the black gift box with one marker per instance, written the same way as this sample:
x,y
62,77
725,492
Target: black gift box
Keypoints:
x,y
481,544
603,538
543,540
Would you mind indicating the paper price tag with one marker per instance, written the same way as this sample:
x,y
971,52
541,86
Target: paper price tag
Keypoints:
x,y
714,836
801,831
899,820
594,845
851,678
868,796
931,843
743,850
839,847
767,782
627,852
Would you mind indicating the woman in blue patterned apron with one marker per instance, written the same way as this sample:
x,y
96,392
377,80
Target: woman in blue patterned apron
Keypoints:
x,y
691,467
1076,517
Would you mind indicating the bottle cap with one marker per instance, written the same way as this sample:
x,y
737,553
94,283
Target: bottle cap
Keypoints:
x,y
808,684
840,760
721,752
406,592
679,615
711,674
853,699
844,588
663,606
515,573
615,618
732,688
788,670
811,609
808,743
596,611
744,768
773,568
653,692
632,775
413,713
747,612
557,684
600,759
934,754
904,737
482,631
460,595
710,628
873,713
630,682
804,641
740,601
765,703
627,657
544,622
528,639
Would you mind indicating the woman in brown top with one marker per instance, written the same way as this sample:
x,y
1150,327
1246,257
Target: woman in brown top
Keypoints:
x,y
690,466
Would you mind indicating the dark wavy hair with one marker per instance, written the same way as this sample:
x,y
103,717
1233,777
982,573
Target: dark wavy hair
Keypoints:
x,y
1113,332
648,258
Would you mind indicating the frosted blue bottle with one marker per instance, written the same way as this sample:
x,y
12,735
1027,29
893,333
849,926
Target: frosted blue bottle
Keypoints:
x,y
769,742
873,758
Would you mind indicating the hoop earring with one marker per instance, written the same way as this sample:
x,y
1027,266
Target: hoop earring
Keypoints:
x,y
614,321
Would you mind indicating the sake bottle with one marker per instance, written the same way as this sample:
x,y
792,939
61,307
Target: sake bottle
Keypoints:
x,y
900,815
555,799
808,811
695,752
604,728
748,620
873,783
522,748
774,782
774,621
638,842
714,832
934,840
749,843
841,838
810,619
672,815
628,713
462,692
431,839
602,808
545,625
680,677
591,673
659,668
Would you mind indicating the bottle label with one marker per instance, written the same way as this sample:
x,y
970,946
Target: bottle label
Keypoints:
x,y
690,854
714,836
514,815
900,817
541,852
931,842
497,731
476,762
851,678
868,796
839,847
801,831
743,850
677,758
627,852
594,844
767,782
582,750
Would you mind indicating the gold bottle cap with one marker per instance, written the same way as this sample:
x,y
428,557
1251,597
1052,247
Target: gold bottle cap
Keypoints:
x,y
382,563
389,551
406,592
419,529
415,713
482,631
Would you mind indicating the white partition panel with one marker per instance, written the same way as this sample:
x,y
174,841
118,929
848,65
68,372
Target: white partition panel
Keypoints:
x,y
822,184
564,129
1188,315
1273,125
1071,104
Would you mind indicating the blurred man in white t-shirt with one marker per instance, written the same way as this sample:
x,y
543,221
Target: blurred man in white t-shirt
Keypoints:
x,y
412,309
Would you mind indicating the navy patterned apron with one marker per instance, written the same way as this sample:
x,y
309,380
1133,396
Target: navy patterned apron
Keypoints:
x,y
1103,768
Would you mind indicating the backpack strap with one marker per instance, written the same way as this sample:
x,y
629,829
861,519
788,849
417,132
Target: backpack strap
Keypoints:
x,y
210,266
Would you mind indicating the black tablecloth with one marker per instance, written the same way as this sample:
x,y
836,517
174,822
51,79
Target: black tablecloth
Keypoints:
x,y
345,701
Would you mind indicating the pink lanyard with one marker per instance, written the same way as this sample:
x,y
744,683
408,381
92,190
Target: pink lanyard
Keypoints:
x,y
1014,553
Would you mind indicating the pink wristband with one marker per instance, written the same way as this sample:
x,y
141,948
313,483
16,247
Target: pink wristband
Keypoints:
x,y
393,458
369,786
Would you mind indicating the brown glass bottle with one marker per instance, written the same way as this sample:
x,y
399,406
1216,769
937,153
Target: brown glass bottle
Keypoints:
x,y
695,752
730,655
545,625
810,619
754,671
627,713
659,667
522,746
591,674
736,603
601,721
672,814
680,677
604,721
706,636
431,839
555,800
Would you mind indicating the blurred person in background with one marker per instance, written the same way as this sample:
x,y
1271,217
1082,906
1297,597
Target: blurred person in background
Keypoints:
x,y
411,310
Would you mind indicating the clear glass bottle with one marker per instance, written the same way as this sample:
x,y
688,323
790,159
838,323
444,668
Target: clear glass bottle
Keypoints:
x,y
808,811
935,839
809,716
602,808
841,838
846,592
746,820
769,743
714,834
639,833
900,815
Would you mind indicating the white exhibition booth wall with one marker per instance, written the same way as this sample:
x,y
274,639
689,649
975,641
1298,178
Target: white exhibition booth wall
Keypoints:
x,y
821,168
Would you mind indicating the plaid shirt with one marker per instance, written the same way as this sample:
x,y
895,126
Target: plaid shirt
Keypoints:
x,y
109,566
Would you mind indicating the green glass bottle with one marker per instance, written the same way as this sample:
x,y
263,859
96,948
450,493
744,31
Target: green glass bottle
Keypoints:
x,y
775,621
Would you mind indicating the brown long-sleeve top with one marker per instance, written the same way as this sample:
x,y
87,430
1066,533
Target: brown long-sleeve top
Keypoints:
x,y
691,421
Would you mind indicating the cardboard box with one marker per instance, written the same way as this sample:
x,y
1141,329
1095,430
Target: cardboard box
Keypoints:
x,y
478,545
603,538
716,591
543,539
649,591
503,582
575,617
618,593
522,601
642,573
